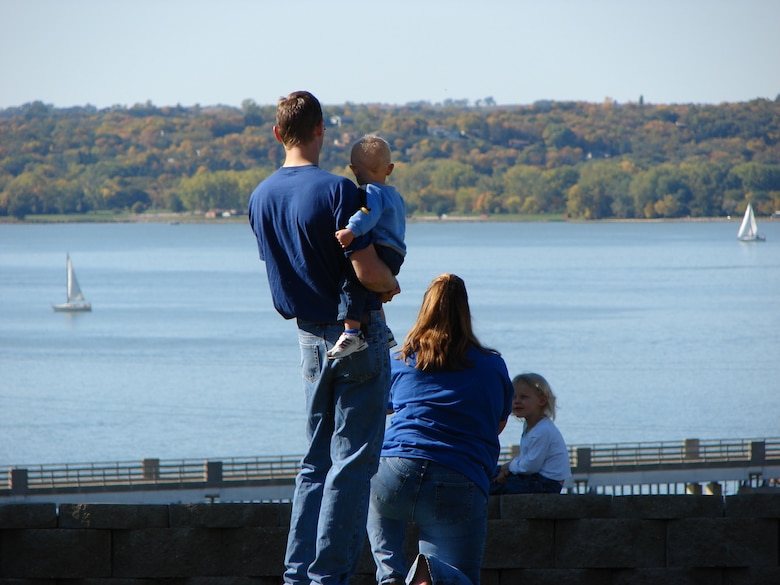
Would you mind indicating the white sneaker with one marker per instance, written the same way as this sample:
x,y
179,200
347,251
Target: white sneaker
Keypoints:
x,y
346,345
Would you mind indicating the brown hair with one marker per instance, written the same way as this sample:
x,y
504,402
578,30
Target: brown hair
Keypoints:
x,y
297,115
442,334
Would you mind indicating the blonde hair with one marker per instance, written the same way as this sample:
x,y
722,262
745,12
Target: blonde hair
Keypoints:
x,y
442,334
371,153
541,387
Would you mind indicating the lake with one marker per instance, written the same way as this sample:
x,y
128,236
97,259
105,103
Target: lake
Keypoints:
x,y
646,332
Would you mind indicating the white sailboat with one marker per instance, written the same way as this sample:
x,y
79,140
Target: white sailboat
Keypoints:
x,y
76,302
748,231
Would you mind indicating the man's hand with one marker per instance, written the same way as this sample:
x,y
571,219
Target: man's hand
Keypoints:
x,y
386,297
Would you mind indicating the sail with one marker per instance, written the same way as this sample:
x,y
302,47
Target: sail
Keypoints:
x,y
749,229
74,291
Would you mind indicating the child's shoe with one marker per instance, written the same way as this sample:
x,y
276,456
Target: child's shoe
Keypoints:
x,y
347,345
391,342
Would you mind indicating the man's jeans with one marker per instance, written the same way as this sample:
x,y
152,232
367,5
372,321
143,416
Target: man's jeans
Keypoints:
x,y
346,402
449,509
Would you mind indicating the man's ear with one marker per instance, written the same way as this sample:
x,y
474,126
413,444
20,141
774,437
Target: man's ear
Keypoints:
x,y
389,170
277,135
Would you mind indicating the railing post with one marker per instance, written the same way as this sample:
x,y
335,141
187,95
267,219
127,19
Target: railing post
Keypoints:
x,y
151,469
583,458
691,449
19,480
758,452
213,473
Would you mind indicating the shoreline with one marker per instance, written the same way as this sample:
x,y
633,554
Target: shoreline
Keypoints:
x,y
183,218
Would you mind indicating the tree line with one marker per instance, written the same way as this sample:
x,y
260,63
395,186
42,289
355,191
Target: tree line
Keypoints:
x,y
578,159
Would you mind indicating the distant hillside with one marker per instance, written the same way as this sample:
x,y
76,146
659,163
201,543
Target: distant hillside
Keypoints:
x,y
586,160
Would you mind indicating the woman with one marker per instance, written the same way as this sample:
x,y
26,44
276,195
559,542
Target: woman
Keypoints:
x,y
450,398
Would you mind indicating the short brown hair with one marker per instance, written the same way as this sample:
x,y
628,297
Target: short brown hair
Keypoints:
x,y
297,115
442,334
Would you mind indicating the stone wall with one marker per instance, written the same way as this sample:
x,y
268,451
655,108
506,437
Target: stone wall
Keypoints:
x,y
532,539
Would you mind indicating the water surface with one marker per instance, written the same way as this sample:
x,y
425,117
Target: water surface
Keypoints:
x,y
647,332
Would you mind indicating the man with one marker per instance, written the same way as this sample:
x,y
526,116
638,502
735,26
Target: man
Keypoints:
x,y
294,214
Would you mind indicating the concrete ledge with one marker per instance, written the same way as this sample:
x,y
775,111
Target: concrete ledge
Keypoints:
x,y
532,539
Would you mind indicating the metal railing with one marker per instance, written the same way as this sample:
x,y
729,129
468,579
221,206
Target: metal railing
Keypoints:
x,y
154,472
674,453
151,472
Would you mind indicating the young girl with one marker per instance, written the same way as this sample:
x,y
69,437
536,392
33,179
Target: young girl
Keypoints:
x,y
543,464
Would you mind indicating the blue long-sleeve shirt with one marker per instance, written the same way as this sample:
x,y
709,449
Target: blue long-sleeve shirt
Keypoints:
x,y
386,218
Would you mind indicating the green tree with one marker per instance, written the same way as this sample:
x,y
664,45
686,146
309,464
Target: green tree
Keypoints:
x,y
599,184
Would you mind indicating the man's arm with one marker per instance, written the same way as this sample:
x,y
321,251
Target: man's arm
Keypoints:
x,y
374,274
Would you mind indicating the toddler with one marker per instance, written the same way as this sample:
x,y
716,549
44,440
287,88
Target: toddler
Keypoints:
x,y
384,215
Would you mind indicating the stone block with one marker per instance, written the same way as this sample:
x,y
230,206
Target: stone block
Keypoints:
x,y
660,507
494,508
603,543
363,579
227,515
722,542
285,514
53,553
668,576
519,543
554,506
113,516
752,576
17,516
253,551
756,505
555,576
276,580
489,577
167,553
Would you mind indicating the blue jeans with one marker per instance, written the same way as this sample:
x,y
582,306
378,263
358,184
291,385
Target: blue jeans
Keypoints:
x,y
532,483
449,509
346,402
357,296
440,573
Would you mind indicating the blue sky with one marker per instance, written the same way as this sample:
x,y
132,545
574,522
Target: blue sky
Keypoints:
x,y
207,52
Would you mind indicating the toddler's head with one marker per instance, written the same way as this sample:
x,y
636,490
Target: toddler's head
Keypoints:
x,y
537,384
370,160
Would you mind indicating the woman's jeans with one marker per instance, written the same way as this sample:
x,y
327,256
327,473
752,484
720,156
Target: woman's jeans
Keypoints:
x,y
449,510
346,403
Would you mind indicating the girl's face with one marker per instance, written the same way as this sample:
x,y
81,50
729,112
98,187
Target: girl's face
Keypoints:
x,y
528,403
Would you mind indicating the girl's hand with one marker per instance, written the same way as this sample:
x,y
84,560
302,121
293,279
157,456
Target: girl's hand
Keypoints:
x,y
503,473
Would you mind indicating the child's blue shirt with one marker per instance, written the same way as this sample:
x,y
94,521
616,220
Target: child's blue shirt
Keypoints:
x,y
386,217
